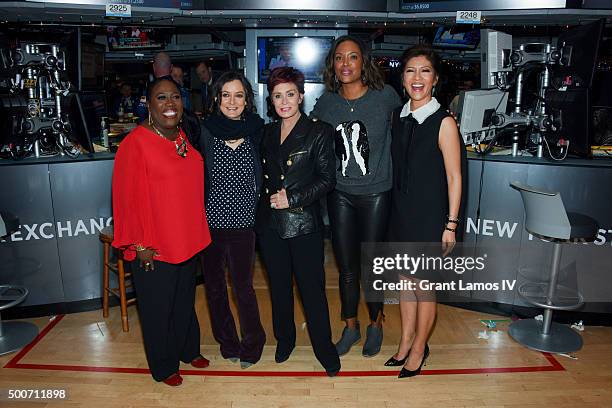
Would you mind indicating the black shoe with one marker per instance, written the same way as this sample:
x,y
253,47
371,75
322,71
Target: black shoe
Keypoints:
x,y
408,373
282,355
333,372
393,362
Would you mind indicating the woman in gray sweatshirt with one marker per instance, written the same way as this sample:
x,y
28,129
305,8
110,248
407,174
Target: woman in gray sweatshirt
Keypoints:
x,y
358,104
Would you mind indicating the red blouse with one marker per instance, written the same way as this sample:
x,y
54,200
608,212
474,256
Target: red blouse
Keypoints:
x,y
158,198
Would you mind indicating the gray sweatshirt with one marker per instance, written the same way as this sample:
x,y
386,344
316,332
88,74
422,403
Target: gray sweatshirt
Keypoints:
x,y
362,138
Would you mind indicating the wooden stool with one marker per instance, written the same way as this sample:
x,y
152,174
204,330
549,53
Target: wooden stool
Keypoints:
x,y
106,236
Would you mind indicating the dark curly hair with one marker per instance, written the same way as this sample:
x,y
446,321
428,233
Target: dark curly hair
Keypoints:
x,y
217,87
370,73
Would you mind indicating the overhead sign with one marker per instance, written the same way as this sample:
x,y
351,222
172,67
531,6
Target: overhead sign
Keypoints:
x,y
172,4
468,17
118,10
432,6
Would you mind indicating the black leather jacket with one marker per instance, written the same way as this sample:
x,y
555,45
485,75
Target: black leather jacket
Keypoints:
x,y
305,166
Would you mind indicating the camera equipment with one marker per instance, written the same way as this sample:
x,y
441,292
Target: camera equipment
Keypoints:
x,y
39,115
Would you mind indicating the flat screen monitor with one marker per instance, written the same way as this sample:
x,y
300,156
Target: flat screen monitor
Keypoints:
x,y
94,109
456,37
79,133
476,108
125,38
572,112
579,48
304,53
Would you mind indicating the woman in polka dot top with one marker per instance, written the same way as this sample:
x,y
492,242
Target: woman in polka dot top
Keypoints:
x,y
229,142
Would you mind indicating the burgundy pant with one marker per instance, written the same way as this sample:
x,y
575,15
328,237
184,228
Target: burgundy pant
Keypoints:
x,y
234,248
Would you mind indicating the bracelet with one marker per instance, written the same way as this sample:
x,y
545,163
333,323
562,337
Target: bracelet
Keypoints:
x,y
452,221
139,247
450,229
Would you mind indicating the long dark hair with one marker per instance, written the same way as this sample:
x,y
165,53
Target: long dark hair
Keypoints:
x,y
217,87
370,73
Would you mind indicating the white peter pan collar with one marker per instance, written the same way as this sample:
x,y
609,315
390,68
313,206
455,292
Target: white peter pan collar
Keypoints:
x,y
422,113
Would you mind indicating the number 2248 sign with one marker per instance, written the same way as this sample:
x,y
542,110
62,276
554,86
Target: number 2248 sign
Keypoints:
x,y
468,17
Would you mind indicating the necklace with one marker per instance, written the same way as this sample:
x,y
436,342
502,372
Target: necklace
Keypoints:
x,y
354,104
351,107
179,142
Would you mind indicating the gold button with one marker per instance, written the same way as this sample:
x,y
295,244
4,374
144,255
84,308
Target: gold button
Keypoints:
x,y
289,162
282,176
266,176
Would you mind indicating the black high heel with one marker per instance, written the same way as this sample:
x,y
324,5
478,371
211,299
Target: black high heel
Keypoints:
x,y
411,373
393,362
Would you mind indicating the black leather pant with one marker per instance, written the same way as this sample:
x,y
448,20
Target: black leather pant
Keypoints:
x,y
355,219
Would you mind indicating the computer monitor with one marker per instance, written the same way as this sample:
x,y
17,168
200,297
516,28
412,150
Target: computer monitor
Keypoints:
x,y
579,49
79,133
304,53
571,110
94,108
456,37
476,108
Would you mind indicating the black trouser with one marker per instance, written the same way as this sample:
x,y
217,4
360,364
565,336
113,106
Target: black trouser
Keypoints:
x,y
301,257
355,219
236,249
170,328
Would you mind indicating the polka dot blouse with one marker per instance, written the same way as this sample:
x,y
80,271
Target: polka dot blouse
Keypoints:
x,y
232,199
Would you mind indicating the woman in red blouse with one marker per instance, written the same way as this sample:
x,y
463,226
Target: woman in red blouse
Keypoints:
x,y
159,218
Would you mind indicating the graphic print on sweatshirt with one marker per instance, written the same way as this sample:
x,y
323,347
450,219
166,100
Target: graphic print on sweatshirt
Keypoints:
x,y
352,142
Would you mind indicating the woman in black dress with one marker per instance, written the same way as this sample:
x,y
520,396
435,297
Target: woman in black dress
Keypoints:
x,y
427,153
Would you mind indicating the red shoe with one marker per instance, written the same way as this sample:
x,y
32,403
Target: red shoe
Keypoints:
x,y
174,380
200,362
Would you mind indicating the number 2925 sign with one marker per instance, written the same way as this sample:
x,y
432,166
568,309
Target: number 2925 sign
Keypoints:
x,y
118,10
468,17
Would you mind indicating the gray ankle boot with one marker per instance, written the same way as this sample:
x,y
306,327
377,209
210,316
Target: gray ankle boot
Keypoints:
x,y
374,337
349,337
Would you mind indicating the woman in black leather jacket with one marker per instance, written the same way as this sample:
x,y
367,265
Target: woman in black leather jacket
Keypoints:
x,y
299,169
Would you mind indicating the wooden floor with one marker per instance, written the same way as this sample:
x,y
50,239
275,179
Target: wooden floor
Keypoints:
x,y
100,366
